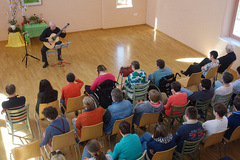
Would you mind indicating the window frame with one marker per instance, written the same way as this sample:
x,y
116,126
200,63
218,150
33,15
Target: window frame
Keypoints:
x,y
233,21
128,4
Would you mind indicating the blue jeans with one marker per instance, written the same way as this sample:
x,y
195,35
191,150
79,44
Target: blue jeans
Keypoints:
x,y
63,102
187,91
145,138
74,126
85,153
217,84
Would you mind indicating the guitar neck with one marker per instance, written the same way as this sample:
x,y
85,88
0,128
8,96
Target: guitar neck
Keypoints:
x,y
60,32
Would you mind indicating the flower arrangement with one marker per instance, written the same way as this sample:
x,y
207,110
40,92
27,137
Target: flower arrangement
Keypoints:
x,y
34,17
15,6
17,29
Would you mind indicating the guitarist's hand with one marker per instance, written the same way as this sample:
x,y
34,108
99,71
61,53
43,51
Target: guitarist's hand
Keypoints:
x,y
64,31
50,40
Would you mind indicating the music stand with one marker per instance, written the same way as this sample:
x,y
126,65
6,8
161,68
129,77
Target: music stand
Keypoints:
x,y
26,51
60,46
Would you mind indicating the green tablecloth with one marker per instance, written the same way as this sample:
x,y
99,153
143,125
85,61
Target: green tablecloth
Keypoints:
x,y
34,30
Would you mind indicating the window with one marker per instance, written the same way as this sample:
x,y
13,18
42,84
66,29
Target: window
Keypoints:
x,y
235,30
124,3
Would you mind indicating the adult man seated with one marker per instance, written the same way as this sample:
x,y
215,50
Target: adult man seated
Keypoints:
x,y
137,76
91,116
161,72
203,95
119,109
234,118
191,130
154,105
219,124
228,59
14,102
204,66
71,90
57,125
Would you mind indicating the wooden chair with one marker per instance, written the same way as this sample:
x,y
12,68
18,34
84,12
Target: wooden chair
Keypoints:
x,y
212,73
203,106
27,151
235,136
193,80
18,116
74,104
229,67
148,119
142,156
39,117
139,92
164,155
177,113
115,129
61,141
188,148
213,139
224,99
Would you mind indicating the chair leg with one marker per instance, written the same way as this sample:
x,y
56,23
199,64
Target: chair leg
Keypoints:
x,y
29,127
103,144
220,150
224,148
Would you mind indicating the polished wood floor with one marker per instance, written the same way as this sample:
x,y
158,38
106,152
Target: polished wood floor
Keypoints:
x,y
111,47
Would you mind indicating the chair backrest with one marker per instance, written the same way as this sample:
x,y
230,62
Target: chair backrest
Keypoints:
x,y
178,111
54,104
18,115
214,139
115,128
91,132
63,140
27,151
140,91
202,105
149,118
142,156
212,73
229,67
164,155
235,135
190,146
224,99
74,104
194,79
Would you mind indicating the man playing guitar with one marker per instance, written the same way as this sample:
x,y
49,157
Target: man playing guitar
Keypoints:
x,y
44,38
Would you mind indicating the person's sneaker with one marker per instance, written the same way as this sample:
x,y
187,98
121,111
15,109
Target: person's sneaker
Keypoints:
x,y
45,65
184,73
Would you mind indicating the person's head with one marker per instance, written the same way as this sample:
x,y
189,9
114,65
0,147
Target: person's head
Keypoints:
x,y
70,77
227,77
160,63
160,131
52,25
50,113
213,54
101,68
45,86
135,65
176,87
117,95
220,109
238,71
206,84
58,156
191,113
10,89
230,48
94,148
236,103
88,102
154,95
124,127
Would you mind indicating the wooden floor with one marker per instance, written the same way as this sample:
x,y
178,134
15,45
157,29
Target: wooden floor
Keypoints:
x,y
111,47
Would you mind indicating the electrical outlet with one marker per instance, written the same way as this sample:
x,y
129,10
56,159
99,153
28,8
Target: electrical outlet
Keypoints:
x,y
135,14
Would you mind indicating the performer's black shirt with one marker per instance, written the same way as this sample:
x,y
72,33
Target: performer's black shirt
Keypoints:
x,y
47,32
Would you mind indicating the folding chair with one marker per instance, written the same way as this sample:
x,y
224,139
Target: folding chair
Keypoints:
x,y
74,104
142,156
235,136
17,116
61,141
39,117
212,74
27,151
163,155
203,106
124,72
193,80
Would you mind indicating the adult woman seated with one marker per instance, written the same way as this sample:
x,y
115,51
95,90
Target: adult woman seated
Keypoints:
x,y
161,140
46,93
102,76
129,146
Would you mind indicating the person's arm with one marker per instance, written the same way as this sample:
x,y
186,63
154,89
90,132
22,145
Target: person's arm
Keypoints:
x,y
46,137
139,108
63,34
94,85
169,103
79,82
78,122
116,152
43,36
107,117
62,96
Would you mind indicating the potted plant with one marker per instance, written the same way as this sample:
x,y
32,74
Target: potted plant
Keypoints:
x,y
13,23
34,19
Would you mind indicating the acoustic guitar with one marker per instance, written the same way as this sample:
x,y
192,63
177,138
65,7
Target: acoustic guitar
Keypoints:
x,y
54,37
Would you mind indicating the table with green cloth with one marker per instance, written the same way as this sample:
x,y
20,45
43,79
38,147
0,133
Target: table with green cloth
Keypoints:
x,y
34,30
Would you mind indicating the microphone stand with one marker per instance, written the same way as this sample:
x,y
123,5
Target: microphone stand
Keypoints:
x,y
26,54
